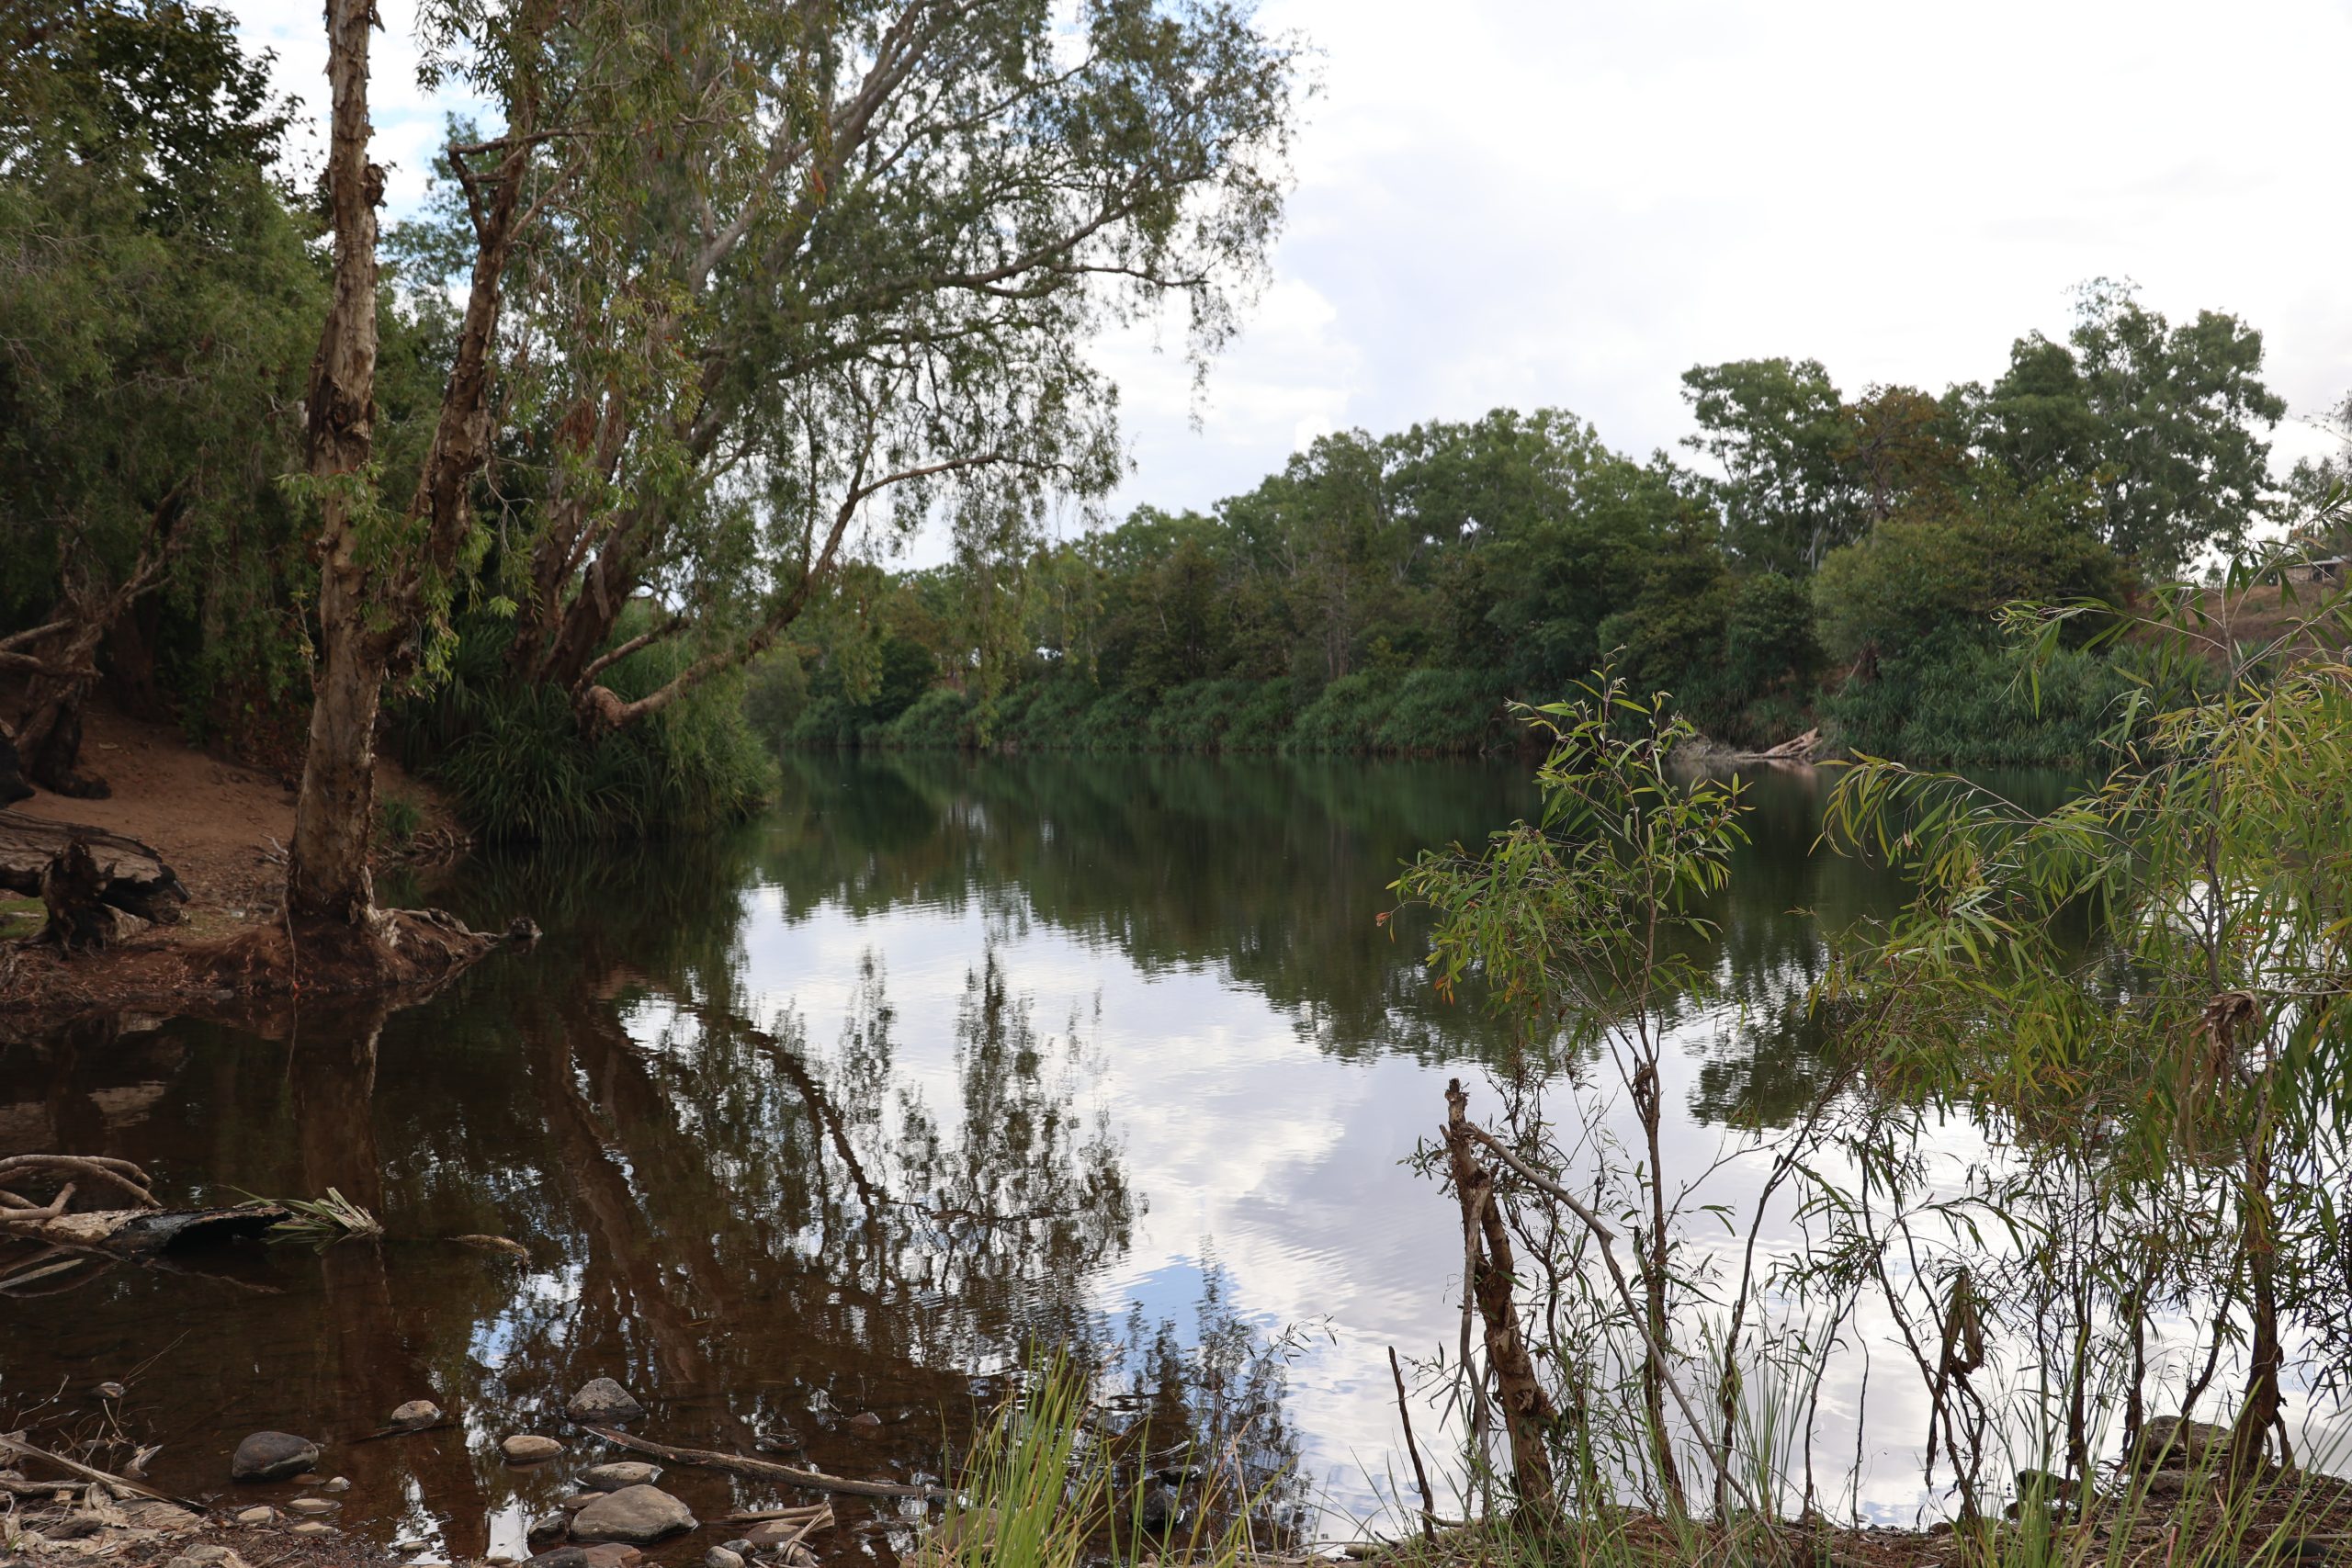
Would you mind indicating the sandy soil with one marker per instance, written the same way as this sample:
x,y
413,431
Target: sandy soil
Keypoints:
x,y
221,824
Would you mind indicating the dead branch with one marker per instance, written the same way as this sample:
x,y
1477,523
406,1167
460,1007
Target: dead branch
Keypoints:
x,y
765,1470
121,1486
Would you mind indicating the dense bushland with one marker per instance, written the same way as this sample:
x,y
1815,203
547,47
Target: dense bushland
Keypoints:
x,y
1846,568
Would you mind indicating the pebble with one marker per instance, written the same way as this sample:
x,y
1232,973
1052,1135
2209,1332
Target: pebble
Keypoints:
x,y
529,1447
260,1516
558,1557
719,1557
110,1390
338,1484
312,1527
313,1506
737,1546
416,1413
612,1554
867,1419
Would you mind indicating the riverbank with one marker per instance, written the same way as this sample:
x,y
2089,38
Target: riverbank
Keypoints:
x,y
222,825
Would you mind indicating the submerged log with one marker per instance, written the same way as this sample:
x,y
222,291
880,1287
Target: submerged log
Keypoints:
x,y
80,871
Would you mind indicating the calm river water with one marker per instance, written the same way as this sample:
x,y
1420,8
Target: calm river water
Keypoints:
x,y
836,1114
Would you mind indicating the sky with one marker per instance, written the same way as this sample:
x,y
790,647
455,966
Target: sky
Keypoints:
x,y
1569,204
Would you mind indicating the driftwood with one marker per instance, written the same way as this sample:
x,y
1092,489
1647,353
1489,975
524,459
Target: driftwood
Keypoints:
x,y
120,1485
1793,750
765,1470
81,872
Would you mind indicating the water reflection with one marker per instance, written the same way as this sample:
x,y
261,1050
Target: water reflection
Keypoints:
x,y
838,1113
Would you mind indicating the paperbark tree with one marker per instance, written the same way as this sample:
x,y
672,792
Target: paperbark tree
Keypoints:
x,y
384,576
864,274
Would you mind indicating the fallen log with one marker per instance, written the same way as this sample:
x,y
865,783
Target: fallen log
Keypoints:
x,y
128,876
765,1470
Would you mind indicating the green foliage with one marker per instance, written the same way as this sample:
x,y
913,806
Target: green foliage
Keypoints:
x,y
1442,712
1918,574
1778,428
515,758
1195,718
1346,715
940,720
1116,721
1961,699
2163,421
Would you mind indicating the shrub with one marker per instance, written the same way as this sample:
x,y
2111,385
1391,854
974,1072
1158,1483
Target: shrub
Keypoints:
x,y
1958,700
1261,720
516,760
1442,710
1115,723
939,720
1196,716
1345,717
1049,718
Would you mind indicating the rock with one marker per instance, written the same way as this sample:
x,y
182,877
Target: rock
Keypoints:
x,y
224,1555
612,1554
2170,1443
578,1501
1156,1515
719,1557
529,1447
260,1516
770,1534
412,1543
313,1506
416,1413
865,1421
273,1455
603,1401
560,1557
625,1473
312,1527
637,1515
739,1548
337,1484
548,1531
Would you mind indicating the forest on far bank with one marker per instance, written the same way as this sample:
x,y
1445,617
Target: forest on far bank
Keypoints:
x,y
1835,562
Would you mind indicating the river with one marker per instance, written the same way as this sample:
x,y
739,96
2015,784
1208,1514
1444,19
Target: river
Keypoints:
x,y
839,1113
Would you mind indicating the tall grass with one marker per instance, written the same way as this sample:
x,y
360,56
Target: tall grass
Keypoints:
x,y
1443,711
1958,700
1043,1488
1346,715
515,757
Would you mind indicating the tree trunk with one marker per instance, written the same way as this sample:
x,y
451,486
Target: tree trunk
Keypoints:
x,y
1528,1414
326,874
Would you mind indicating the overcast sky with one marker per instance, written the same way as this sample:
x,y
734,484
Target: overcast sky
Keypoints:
x,y
1569,204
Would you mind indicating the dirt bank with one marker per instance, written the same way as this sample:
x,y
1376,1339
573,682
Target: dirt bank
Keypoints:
x,y
222,825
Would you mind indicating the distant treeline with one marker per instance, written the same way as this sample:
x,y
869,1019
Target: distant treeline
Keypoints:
x,y
1845,566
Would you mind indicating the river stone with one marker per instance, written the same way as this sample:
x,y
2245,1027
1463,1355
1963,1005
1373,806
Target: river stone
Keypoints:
x,y
260,1516
612,1554
529,1447
337,1484
273,1455
603,1400
770,1534
312,1527
314,1506
634,1514
719,1557
416,1413
410,1543
558,1557
546,1532
625,1473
